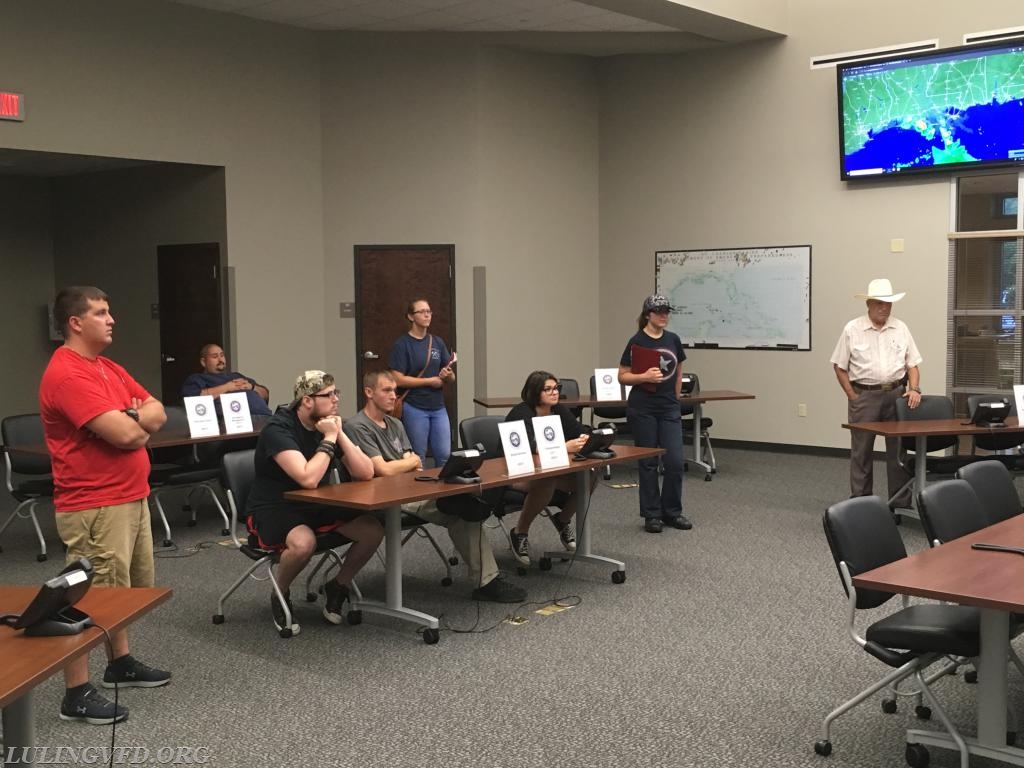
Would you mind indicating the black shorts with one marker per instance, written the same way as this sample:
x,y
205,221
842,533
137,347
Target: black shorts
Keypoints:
x,y
273,526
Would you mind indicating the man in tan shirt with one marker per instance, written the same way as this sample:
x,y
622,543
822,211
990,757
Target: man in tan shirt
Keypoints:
x,y
876,362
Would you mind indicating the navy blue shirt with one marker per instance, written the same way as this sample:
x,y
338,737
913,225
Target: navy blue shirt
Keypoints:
x,y
197,382
671,356
408,356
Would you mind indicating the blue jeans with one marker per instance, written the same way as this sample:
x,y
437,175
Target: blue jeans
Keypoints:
x,y
428,429
659,428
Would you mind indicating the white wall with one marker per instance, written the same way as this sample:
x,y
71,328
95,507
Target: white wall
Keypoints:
x,y
738,147
165,82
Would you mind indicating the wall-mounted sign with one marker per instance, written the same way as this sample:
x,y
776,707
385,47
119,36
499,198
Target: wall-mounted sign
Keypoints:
x,y
12,106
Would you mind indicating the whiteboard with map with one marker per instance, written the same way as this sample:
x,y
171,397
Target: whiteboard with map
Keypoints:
x,y
739,298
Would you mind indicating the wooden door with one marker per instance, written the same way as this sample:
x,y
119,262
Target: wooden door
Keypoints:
x,y
190,292
387,278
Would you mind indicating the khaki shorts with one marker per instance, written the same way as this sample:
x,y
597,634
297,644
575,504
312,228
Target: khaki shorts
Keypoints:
x,y
117,541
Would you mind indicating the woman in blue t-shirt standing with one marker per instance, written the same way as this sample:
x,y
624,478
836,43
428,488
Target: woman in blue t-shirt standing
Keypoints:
x,y
653,413
422,366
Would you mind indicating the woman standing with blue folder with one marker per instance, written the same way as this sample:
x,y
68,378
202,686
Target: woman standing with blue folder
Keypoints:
x,y
652,365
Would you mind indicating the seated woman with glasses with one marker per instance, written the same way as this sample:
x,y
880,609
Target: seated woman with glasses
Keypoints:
x,y
540,398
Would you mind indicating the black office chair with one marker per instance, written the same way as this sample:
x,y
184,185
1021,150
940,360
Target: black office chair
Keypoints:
x,y
571,391
613,416
181,467
34,482
691,386
483,431
931,407
994,487
996,441
862,535
239,473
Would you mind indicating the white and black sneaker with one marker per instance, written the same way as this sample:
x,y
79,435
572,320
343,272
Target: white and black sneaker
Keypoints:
x,y
335,595
520,546
91,706
128,672
280,620
566,533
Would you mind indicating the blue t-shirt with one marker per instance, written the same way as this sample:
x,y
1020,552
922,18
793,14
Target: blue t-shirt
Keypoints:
x,y
408,356
197,382
670,356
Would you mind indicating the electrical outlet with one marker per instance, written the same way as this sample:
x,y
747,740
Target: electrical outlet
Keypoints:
x,y
801,409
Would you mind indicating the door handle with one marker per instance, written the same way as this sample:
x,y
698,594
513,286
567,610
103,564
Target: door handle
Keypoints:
x,y
167,358
370,355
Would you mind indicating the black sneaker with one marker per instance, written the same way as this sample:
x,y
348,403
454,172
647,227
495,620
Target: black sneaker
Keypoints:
x,y
497,590
92,707
128,672
681,522
653,525
520,546
335,595
566,533
279,617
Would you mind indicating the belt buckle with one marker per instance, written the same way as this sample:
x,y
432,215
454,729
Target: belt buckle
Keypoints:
x,y
888,387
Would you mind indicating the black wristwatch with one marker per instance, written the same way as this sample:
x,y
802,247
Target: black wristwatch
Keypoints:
x,y
132,413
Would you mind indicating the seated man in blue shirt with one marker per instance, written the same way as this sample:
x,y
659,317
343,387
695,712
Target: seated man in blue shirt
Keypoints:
x,y
217,380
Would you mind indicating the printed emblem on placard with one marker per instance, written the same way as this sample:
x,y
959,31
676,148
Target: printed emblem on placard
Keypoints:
x,y
515,439
549,434
200,409
236,406
607,379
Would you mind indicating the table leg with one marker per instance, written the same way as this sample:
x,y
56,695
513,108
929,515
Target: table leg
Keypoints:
x,y
583,553
19,731
393,577
698,414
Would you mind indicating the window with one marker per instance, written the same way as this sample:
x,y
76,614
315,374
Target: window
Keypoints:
x,y
986,267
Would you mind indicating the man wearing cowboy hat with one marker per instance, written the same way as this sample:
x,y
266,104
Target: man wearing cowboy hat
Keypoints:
x,y
876,362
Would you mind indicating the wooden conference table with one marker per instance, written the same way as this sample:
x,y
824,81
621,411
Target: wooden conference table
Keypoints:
x,y
388,493
992,582
696,399
28,661
923,429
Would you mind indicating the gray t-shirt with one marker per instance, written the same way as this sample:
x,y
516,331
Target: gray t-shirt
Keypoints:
x,y
391,442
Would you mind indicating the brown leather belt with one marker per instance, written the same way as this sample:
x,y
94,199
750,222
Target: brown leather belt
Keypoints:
x,y
876,387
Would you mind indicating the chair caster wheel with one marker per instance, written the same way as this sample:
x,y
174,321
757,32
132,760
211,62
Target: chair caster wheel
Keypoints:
x,y
889,706
823,748
917,756
311,597
431,636
446,581
168,543
971,676
618,577
285,633
354,617
218,618
707,478
544,563
922,712
191,523
453,560
41,558
225,532
1011,738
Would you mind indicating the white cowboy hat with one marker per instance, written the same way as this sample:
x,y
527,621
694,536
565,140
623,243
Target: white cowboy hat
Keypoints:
x,y
880,289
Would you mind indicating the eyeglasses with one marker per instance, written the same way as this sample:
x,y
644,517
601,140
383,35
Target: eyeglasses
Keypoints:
x,y
332,394
549,389
423,312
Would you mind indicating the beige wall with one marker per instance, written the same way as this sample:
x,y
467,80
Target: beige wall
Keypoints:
x,y
165,82
427,140
738,147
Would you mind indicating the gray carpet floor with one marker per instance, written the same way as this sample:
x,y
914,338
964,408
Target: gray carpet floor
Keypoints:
x,y
724,647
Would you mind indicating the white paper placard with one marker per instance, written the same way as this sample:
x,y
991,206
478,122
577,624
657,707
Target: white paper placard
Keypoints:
x,y
606,384
550,442
1018,397
516,444
235,407
202,416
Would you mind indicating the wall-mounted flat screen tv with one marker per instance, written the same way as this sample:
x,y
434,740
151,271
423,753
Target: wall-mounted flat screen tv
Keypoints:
x,y
951,109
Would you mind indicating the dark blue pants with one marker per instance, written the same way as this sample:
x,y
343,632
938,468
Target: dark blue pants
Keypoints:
x,y
659,427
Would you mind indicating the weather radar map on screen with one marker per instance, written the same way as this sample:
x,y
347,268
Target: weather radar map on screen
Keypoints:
x,y
962,107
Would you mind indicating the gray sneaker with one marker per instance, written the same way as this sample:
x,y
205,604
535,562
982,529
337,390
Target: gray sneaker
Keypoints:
x,y
92,707
566,533
520,546
128,672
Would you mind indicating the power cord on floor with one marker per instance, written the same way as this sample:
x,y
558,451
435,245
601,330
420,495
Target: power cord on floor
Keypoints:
x,y
174,552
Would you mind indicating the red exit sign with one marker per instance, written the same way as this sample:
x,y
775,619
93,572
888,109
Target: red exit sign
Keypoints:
x,y
12,106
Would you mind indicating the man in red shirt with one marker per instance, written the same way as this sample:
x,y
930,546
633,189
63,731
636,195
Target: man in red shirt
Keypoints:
x,y
97,420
